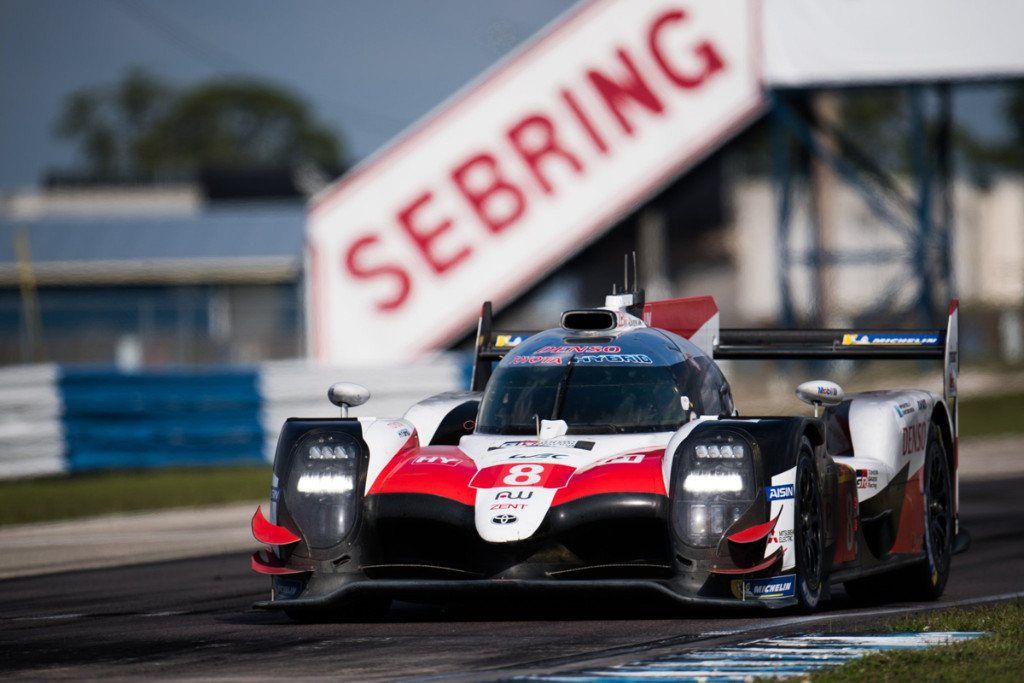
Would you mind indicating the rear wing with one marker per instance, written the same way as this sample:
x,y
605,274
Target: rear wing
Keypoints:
x,y
491,346
696,319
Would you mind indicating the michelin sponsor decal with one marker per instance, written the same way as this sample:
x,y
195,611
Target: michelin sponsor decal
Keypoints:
x,y
772,588
909,339
780,492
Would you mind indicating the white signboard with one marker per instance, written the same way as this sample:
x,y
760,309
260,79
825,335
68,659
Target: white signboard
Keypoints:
x,y
821,42
523,168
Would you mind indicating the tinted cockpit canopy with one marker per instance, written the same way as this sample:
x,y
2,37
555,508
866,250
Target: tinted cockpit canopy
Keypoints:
x,y
628,382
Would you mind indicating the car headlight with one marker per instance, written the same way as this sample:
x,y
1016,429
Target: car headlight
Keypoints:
x,y
321,493
715,486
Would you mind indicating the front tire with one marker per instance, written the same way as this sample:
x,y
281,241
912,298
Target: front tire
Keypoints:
x,y
809,531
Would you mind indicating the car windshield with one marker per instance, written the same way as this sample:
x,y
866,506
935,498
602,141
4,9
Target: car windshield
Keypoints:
x,y
591,399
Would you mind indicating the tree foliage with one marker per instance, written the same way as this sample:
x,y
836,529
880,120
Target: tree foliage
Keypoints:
x,y
143,127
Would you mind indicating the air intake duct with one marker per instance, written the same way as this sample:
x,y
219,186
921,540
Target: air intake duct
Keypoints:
x,y
589,320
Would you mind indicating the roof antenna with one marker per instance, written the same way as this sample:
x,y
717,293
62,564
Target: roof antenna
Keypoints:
x,y
636,274
625,272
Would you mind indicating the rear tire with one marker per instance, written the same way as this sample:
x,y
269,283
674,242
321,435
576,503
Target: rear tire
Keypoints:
x,y
924,581
808,531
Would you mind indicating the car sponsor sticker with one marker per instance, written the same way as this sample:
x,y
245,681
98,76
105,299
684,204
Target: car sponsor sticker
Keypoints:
x,y
904,409
616,359
540,475
286,589
623,459
780,492
436,460
915,438
867,479
772,588
506,341
513,495
536,360
547,443
909,339
579,349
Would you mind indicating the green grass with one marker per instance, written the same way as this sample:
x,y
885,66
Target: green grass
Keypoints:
x,y
998,656
991,415
83,495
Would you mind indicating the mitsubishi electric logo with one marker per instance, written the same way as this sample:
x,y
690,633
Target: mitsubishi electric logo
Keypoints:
x,y
503,519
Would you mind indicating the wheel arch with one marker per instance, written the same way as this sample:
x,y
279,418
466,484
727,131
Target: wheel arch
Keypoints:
x,y
940,418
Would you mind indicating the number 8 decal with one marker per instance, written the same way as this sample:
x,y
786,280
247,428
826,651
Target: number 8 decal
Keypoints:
x,y
523,475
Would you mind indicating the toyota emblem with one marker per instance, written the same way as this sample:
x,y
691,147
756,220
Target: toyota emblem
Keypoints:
x,y
503,519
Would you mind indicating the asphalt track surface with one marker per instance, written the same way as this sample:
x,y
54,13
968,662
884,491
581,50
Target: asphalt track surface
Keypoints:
x,y
192,618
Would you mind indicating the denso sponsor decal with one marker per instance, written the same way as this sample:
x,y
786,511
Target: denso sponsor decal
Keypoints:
x,y
915,438
780,492
579,349
910,339
765,589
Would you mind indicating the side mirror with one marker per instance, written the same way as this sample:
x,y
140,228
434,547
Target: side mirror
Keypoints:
x,y
820,392
347,395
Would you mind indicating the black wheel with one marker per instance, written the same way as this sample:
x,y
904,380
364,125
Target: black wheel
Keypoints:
x,y
927,579
809,531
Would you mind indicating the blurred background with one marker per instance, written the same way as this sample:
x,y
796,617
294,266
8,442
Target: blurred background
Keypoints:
x,y
157,162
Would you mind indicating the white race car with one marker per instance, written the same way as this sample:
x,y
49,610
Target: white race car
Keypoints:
x,y
606,454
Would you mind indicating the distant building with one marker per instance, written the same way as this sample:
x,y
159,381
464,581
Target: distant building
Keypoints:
x,y
148,276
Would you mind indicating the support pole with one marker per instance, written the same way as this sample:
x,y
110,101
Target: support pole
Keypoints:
x,y
782,172
944,171
922,169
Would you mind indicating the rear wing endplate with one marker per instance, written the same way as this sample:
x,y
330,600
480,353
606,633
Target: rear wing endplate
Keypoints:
x,y
491,346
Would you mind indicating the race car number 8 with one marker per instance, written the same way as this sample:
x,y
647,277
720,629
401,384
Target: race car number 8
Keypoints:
x,y
544,475
523,475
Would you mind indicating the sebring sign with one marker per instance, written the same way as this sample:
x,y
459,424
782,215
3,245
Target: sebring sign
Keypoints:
x,y
521,169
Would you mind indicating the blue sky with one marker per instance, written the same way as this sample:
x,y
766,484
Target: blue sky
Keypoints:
x,y
369,67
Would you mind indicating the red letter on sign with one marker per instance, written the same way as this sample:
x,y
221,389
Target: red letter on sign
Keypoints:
x,y
534,138
632,88
401,277
483,195
709,57
423,237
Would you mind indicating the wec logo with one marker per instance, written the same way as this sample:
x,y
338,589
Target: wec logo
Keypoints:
x,y
780,492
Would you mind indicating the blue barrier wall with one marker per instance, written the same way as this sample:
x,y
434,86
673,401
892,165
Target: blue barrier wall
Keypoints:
x,y
188,417
56,419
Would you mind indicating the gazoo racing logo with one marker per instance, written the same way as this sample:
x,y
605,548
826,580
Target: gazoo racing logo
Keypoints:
x,y
780,492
